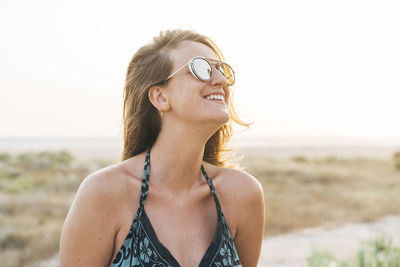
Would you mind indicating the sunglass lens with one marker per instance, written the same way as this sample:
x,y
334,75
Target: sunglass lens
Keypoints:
x,y
202,69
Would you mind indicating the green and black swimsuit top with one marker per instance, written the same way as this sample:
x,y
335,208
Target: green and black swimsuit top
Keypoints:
x,y
143,248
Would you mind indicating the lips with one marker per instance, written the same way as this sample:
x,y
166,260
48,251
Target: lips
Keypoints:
x,y
218,93
215,101
216,97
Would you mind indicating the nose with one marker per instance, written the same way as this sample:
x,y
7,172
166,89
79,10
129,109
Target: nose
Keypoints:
x,y
218,77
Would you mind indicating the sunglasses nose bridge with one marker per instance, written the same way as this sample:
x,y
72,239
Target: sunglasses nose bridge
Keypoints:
x,y
216,72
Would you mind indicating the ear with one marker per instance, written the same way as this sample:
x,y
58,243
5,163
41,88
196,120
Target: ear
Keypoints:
x,y
158,98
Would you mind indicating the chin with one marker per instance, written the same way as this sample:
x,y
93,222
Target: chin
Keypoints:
x,y
223,118
215,117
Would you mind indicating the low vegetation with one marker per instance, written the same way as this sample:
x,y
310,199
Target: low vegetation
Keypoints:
x,y
37,189
303,192
396,159
378,252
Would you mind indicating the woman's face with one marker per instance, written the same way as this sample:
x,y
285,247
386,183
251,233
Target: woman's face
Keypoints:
x,y
187,95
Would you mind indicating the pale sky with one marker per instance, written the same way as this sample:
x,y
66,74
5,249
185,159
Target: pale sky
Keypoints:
x,y
328,68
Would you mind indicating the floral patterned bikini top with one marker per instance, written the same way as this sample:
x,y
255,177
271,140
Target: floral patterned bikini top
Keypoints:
x,y
142,247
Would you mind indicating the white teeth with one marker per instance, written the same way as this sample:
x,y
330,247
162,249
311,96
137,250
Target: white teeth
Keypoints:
x,y
211,97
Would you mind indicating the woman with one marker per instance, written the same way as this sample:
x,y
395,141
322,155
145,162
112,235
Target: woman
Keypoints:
x,y
177,104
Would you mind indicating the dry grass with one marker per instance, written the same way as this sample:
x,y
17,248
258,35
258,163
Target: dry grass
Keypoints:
x,y
36,193
37,190
30,227
302,192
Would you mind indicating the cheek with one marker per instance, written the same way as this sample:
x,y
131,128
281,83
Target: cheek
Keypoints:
x,y
187,94
187,103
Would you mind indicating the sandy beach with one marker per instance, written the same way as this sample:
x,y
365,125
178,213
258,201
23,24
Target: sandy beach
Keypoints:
x,y
292,250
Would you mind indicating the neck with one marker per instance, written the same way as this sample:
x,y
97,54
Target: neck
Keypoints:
x,y
176,158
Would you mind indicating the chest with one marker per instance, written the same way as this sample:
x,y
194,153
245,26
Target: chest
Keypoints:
x,y
185,228
186,232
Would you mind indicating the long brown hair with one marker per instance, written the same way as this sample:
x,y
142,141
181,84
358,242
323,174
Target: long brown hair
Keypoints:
x,y
149,66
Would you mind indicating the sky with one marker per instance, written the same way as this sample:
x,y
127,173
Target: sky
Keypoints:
x,y
303,68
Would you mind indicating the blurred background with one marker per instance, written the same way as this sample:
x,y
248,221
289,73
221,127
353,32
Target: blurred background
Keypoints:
x,y
319,79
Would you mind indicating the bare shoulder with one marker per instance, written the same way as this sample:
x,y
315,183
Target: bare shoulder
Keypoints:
x,y
243,186
94,218
110,183
244,199
105,188
243,181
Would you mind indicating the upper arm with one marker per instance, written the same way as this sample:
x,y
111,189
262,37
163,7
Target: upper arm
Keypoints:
x,y
89,230
250,227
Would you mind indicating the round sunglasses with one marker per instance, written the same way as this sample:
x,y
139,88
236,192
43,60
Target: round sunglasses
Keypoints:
x,y
201,68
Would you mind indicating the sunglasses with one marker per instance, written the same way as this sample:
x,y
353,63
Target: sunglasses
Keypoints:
x,y
201,68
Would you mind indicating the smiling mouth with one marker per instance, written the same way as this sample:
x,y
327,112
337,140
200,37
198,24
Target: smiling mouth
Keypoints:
x,y
216,100
215,97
